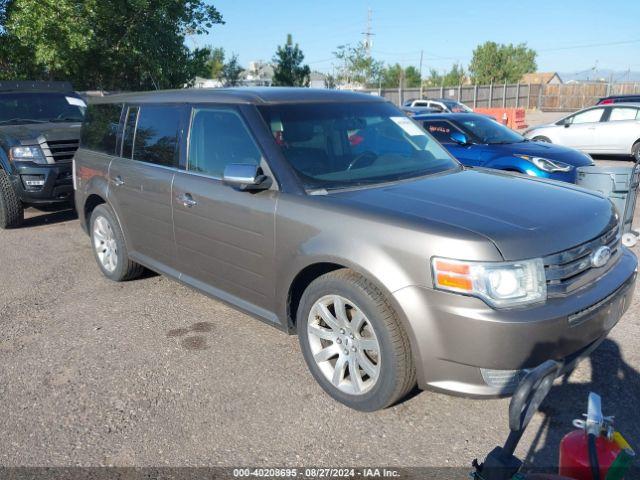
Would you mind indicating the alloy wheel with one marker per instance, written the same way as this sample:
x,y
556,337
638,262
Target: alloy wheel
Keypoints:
x,y
344,344
104,242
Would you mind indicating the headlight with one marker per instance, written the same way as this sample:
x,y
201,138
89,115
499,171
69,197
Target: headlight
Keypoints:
x,y
547,165
27,154
500,284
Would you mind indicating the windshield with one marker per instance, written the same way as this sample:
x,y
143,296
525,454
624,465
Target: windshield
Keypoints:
x,y
341,145
488,130
36,107
457,107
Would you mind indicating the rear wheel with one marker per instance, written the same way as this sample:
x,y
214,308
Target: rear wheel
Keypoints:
x,y
635,150
541,139
109,247
11,209
353,342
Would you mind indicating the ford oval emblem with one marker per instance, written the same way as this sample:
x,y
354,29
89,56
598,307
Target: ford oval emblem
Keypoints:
x,y
600,257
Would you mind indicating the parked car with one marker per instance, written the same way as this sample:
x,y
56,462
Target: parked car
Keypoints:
x,y
618,99
411,111
39,134
478,141
393,265
441,105
608,129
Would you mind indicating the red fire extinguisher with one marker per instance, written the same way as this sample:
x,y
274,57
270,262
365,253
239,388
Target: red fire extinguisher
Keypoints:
x,y
594,451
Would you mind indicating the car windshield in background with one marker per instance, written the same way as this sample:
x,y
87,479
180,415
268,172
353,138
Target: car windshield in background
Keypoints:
x,y
342,145
456,107
489,131
32,107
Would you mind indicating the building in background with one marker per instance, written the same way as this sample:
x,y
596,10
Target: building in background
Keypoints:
x,y
542,78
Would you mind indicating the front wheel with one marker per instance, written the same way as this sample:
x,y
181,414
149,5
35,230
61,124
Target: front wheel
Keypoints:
x,y
542,139
11,209
353,342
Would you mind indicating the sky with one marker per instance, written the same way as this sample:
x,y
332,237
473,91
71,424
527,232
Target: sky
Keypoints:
x,y
569,35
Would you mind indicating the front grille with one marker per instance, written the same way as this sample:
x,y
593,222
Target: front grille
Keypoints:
x,y
59,150
571,269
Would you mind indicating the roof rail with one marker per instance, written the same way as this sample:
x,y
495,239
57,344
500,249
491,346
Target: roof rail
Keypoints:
x,y
29,85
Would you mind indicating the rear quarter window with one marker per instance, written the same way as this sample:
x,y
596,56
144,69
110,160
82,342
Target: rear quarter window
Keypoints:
x,y
100,128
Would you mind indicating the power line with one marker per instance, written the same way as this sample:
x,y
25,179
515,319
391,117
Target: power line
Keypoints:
x,y
590,45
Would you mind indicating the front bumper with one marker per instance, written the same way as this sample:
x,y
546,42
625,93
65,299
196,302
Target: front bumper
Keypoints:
x,y
457,338
57,187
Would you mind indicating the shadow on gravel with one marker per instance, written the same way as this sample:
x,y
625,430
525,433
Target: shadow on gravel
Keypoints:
x,y
192,342
50,218
617,382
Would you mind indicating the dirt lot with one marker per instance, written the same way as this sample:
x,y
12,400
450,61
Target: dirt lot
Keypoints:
x,y
150,373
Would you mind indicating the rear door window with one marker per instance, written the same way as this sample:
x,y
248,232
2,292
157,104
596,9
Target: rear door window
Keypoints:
x,y
623,113
156,138
218,138
100,129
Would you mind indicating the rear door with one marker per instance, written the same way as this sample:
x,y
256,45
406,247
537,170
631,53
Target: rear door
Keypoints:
x,y
582,130
224,237
620,130
141,178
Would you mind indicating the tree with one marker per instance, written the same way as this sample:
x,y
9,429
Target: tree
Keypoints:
x,y
215,62
357,66
498,63
288,68
108,44
231,72
393,75
329,81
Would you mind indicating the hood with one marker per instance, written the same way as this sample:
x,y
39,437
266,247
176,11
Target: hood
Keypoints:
x,y
50,130
545,150
523,217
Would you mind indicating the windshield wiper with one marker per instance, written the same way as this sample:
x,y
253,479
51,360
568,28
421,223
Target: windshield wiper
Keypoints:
x,y
22,120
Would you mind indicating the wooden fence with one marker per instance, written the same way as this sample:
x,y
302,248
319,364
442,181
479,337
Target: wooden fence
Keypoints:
x,y
563,97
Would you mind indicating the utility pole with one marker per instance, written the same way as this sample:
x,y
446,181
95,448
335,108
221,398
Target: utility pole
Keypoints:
x,y
421,86
368,34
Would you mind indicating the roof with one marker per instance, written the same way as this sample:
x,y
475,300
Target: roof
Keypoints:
x,y
257,95
35,86
539,77
444,116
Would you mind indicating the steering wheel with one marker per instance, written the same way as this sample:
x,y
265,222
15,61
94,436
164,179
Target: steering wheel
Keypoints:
x,y
366,154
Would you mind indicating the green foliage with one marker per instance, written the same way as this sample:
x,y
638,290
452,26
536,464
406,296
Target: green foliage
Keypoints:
x,y
393,75
289,70
454,77
357,66
230,74
498,63
215,62
330,81
108,44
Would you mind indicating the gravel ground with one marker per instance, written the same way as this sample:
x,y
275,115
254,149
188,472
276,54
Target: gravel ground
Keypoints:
x,y
149,373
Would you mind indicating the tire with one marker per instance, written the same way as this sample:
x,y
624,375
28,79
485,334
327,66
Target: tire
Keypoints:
x,y
635,150
11,208
542,139
382,378
109,247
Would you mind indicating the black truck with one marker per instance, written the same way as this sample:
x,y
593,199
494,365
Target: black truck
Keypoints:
x,y
39,135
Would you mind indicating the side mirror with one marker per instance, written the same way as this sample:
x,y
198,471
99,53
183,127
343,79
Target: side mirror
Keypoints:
x,y
460,138
566,124
245,177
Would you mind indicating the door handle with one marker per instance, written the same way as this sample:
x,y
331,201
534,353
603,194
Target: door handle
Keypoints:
x,y
187,200
118,181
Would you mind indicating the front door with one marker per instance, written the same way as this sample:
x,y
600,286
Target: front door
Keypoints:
x,y
581,130
224,237
140,183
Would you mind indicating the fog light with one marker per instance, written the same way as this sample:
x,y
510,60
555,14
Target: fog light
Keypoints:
x,y
505,380
33,181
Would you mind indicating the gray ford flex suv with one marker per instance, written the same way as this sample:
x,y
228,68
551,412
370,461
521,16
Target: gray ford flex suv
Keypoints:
x,y
333,215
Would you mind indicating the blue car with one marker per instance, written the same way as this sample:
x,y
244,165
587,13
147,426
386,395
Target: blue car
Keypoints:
x,y
479,141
